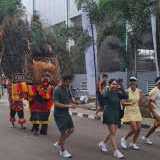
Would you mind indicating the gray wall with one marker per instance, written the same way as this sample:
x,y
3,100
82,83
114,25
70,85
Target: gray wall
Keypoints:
x,y
143,78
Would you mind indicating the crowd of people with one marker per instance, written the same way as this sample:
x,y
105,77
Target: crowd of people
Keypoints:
x,y
117,104
123,106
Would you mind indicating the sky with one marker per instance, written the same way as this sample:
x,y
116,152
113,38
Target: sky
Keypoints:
x,y
51,11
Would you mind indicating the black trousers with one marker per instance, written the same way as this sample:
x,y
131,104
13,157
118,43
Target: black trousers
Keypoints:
x,y
13,113
43,129
40,122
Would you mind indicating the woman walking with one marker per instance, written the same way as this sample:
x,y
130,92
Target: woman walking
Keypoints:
x,y
132,115
112,116
154,106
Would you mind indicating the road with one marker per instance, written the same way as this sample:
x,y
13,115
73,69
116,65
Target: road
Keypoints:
x,y
17,144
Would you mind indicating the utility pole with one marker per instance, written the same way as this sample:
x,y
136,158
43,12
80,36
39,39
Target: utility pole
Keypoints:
x,y
67,13
34,7
154,16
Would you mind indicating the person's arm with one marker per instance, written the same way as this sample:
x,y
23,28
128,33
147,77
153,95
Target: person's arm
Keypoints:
x,y
123,95
142,99
105,96
60,105
151,99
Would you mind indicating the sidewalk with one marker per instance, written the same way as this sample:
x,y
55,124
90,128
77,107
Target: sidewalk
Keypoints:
x,y
89,114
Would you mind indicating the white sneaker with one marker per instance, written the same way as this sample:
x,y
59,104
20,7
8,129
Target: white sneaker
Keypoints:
x,y
103,147
124,143
65,154
57,146
147,140
118,154
134,146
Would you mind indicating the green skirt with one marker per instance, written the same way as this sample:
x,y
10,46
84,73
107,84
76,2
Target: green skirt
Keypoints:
x,y
111,116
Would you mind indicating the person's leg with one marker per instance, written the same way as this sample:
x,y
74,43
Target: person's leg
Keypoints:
x,y
63,138
107,138
113,130
21,121
130,133
66,128
12,116
103,144
35,129
150,132
152,129
137,130
35,122
44,118
44,128
124,139
134,131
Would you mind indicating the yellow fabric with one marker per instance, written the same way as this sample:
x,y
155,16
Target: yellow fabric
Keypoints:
x,y
153,92
15,93
132,112
155,95
40,122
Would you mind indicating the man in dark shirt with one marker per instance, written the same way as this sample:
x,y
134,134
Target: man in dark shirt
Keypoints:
x,y
63,101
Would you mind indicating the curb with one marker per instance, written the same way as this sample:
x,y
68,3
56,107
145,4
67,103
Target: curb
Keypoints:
x,y
93,117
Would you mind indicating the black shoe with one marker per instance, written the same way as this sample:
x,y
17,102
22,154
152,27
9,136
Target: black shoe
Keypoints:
x,y
35,133
43,132
32,129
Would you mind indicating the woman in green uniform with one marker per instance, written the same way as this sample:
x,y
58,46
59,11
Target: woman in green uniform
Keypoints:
x,y
112,116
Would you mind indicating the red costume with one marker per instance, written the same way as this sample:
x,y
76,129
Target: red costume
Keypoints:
x,y
40,106
16,103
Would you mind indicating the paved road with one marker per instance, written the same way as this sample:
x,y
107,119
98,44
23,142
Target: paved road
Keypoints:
x,y
16,144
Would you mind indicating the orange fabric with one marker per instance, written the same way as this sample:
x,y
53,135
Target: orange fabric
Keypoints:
x,y
31,90
23,87
45,93
18,90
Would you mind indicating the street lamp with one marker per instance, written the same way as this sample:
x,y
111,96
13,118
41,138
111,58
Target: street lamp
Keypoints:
x,y
153,9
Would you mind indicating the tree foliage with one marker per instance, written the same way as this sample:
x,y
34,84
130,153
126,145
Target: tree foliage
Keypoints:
x,y
8,8
110,17
15,37
57,37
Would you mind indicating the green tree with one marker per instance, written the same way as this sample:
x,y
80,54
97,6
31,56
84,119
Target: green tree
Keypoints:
x,y
16,35
75,56
57,37
8,8
110,17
